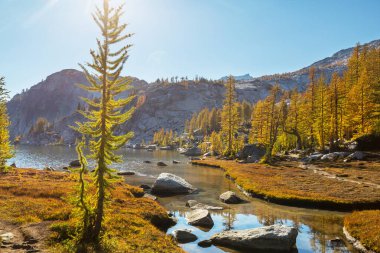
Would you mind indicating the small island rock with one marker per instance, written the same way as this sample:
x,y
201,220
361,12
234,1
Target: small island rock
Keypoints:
x,y
230,197
162,164
168,184
200,217
75,163
184,235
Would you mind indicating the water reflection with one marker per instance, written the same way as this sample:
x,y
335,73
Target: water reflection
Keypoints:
x,y
318,230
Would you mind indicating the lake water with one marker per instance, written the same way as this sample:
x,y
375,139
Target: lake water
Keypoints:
x,y
316,227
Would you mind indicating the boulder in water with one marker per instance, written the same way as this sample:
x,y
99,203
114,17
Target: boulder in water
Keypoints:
x,y
200,217
230,197
184,235
169,184
161,164
271,238
205,243
193,204
75,164
126,173
145,187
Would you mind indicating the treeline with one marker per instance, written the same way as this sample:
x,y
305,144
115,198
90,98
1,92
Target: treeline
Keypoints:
x,y
42,125
327,113
325,116
166,138
209,120
184,80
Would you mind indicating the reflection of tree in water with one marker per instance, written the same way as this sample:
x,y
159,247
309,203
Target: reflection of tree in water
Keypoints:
x,y
229,217
320,240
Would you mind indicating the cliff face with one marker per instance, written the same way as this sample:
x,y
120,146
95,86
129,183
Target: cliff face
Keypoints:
x,y
161,106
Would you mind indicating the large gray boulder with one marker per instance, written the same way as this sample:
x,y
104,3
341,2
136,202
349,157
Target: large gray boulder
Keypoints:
x,y
334,156
271,238
312,158
253,151
169,184
192,152
200,217
184,235
230,197
357,155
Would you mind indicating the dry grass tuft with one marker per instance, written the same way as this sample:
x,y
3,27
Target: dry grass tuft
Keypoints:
x,y
30,196
286,183
365,226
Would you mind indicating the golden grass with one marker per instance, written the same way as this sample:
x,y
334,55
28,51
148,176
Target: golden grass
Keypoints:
x,y
368,171
29,196
285,183
365,226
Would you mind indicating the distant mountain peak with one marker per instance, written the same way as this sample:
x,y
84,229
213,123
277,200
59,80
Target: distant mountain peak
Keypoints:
x,y
246,77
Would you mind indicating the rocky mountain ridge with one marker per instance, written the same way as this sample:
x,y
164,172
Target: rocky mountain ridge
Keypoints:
x,y
160,105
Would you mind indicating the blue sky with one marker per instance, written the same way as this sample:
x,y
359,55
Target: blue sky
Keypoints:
x,y
211,38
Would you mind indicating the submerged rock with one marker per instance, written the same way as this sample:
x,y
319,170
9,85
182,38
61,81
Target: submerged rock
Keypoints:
x,y
270,238
193,204
200,217
205,243
184,235
230,198
126,173
167,183
145,187
162,164
75,164
176,162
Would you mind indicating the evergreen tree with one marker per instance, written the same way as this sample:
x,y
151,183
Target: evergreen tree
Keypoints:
x,y
291,118
230,118
246,111
274,119
105,79
310,112
335,104
6,150
320,123
258,134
